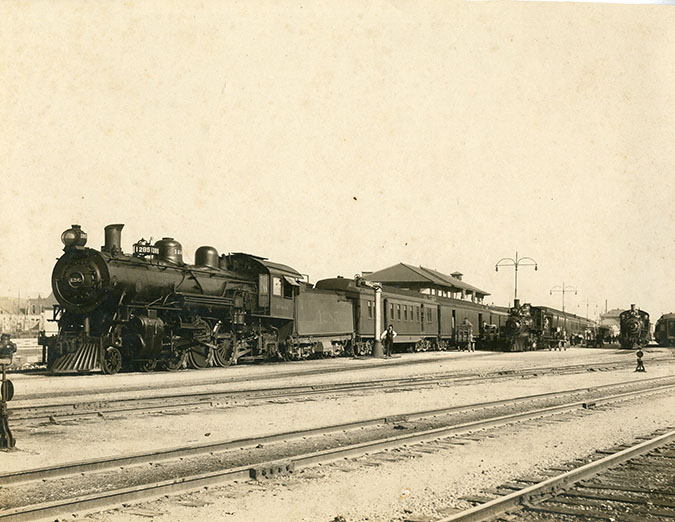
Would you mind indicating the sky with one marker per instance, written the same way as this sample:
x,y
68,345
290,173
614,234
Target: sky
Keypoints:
x,y
338,137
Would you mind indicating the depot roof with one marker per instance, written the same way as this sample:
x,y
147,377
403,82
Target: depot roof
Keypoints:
x,y
403,273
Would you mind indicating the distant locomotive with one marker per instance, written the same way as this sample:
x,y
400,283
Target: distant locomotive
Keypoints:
x,y
664,331
519,334
634,328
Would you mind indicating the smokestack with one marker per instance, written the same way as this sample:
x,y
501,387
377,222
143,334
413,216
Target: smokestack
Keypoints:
x,y
516,303
113,239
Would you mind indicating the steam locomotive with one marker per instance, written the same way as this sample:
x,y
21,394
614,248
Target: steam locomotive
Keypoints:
x,y
150,309
634,328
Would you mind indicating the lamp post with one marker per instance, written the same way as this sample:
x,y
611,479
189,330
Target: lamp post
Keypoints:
x,y
515,263
564,289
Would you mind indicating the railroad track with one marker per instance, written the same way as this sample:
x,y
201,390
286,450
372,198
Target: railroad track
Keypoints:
x,y
99,404
433,357
99,484
627,483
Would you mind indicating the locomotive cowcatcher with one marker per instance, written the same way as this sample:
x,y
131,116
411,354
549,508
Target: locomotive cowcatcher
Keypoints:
x,y
149,309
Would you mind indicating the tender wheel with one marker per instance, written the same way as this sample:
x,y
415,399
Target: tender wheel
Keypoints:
x,y
112,361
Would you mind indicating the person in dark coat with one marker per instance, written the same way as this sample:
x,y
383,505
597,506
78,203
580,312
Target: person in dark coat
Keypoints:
x,y
388,338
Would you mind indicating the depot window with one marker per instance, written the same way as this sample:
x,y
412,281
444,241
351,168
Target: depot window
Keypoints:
x,y
428,315
370,309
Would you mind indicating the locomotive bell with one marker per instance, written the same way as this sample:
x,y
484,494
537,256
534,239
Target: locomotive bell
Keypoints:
x,y
74,237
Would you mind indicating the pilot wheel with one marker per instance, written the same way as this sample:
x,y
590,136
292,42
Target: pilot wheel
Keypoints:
x,y
112,361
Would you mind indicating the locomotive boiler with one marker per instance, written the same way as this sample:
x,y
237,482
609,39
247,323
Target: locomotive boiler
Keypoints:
x,y
634,328
150,309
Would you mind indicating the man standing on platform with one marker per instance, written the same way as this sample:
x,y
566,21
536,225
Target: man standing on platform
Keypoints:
x,y
387,338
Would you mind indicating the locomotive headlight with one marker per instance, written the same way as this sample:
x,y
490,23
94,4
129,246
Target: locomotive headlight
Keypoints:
x,y
74,236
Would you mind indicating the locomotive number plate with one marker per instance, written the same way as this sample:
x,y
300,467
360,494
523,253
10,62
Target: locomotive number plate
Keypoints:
x,y
146,250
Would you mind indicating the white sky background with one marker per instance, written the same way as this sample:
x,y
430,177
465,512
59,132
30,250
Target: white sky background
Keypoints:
x,y
341,137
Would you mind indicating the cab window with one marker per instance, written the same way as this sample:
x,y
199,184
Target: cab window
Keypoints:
x,y
276,286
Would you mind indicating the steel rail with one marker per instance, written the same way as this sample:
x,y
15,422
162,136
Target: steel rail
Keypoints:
x,y
103,500
362,363
201,399
554,484
389,364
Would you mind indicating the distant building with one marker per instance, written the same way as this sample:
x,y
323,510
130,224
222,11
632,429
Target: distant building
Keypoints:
x,y
611,320
25,315
427,281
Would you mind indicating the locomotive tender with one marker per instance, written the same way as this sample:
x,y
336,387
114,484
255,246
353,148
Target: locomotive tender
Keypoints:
x,y
634,328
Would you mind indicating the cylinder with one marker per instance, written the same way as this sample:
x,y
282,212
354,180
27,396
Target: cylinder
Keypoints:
x,y
113,238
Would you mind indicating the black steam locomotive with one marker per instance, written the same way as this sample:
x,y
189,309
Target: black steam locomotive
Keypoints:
x,y
634,328
150,309
518,333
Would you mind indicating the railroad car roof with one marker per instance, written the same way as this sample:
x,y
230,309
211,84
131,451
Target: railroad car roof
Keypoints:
x,y
563,314
277,267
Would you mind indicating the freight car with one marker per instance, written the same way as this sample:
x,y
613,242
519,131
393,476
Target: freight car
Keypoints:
x,y
664,331
634,328
149,309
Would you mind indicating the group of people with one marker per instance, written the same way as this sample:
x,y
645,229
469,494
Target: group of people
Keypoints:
x,y
465,339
